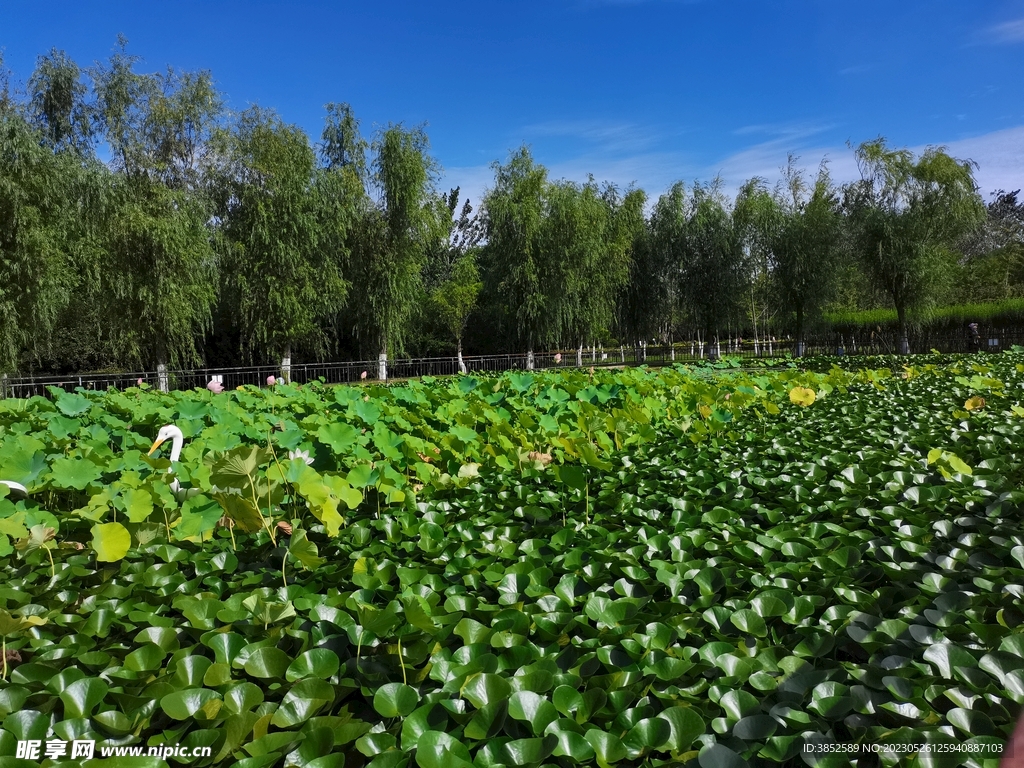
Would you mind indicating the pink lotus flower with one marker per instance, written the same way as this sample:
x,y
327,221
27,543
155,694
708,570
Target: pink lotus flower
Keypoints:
x,y
215,386
271,381
138,383
362,375
558,358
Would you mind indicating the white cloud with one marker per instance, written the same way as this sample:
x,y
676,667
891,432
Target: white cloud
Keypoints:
x,y
1008,32
999,155
606,135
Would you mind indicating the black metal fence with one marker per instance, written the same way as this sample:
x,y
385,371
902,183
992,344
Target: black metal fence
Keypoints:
x,y
859,343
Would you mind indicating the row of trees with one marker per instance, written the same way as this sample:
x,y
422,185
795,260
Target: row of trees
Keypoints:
x,y
144,224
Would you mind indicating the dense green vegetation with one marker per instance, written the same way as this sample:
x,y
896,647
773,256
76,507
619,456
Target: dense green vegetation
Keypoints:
x,y
143,224
630,568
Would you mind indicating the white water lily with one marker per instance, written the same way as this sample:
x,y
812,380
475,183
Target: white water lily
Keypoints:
x,y
304,455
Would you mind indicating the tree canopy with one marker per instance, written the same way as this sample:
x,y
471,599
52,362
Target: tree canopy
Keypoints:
x,y
144,223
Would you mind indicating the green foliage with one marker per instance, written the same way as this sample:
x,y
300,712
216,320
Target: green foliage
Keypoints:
x,y
283,281
907,214
1008,311
798,233
712,272
454,299
695,568
390,240
40,235
515,215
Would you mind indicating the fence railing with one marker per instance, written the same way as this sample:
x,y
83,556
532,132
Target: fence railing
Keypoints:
x,y
346,372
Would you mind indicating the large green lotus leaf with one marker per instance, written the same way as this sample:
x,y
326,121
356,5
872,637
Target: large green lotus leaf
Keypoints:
x,y
572,476
181,705
238,467
720,756
373,744
303,700
488,721
267,662
486,689
82,697
165,637
591,459
241,511
147,658
755,728
520,382
110,541
429,717
74,473
395,700
945,657
532,708
607,746
22,459
709,580
190,671
567,700
317,662
242,698
340,437
748,621
529,751
685,724
648,734
574,746
362,476
441,750
68,403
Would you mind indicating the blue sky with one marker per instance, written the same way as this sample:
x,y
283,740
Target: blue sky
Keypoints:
x,y
644,91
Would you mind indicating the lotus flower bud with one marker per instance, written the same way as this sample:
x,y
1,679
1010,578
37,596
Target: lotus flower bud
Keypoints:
x,y
271,381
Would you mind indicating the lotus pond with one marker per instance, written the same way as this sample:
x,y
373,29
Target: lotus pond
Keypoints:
x,y
634,568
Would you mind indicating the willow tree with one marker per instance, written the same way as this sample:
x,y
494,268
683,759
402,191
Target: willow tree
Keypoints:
x,y
584,260
389,249
284,283
636,308
40,226
157,280
514,217
713,270
798,230
57,102
908,214
656,287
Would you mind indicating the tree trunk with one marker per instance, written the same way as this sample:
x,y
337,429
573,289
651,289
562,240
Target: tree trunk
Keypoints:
x,y
162,378
643,350
529,359
593,353
382,364
904,342
800,347
579,355
672,346
286,364
462,365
